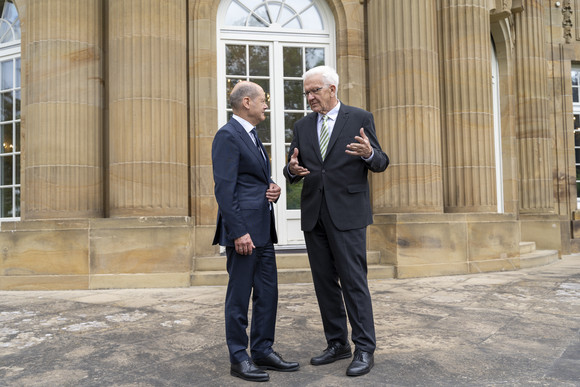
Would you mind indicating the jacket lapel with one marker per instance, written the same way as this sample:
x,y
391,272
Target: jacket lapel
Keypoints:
x,y
341,120
251,146
312,135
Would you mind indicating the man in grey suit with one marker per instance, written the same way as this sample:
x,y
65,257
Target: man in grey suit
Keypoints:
x,y
245,192
333,149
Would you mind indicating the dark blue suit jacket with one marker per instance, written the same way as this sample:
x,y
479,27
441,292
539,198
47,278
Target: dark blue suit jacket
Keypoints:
x,y
241,179
341,178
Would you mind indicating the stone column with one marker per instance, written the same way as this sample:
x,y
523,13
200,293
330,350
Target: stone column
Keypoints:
x,y
147,67
63,99
469,179
404,97
533,134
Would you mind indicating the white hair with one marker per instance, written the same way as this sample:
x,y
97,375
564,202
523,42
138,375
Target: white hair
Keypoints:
x,y
329,75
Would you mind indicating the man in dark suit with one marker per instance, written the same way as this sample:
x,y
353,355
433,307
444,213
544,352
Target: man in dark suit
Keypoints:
x,y
333,149
245,192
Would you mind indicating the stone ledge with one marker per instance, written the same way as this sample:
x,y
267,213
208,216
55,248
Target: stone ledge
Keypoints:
x,y
538,258
97,253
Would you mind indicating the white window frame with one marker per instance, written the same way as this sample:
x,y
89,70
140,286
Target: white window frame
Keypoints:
x,y
497,130
11,51
576,111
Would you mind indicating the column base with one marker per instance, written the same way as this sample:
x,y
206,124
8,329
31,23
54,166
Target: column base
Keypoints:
x,y
141,252
424,245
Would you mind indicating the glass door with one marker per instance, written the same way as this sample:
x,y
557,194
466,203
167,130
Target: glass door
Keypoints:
x,y
295,60
278,68
272,43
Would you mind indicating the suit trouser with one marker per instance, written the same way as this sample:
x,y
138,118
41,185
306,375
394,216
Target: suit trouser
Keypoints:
x,y
335,256
247,272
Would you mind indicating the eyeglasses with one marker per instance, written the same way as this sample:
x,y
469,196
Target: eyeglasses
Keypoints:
x,y
313,91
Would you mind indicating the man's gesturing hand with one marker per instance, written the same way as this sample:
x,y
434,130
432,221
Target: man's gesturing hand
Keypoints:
x,y
360,148
294,167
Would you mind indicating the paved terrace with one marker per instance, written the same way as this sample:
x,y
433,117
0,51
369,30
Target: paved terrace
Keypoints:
x,y
518,328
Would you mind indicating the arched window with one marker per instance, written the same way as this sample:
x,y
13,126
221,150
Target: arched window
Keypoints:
x,y
9,112
296,14
272,43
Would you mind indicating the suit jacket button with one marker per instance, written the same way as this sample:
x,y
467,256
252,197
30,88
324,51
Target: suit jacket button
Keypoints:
x,y
324,171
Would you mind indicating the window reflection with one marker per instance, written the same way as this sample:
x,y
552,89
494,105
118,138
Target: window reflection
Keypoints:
x,y
289,120
9,23
17,103
293,97
17,72
6,106
290,14
235,59
263,129
264,15
7,73
6,202
236,15
259,61
6,165
577,148
7,145
575,86
311,19
314,57
293,61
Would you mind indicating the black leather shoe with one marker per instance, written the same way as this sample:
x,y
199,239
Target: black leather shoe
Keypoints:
x,y
335,351
248,371
275,362
361,364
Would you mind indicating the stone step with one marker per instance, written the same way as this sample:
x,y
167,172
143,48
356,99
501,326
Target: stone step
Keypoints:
x,y
220,277
538,258
292,268
285,276
283,261
527,247
575,227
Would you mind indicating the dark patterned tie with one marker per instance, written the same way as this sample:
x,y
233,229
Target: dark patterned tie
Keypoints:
x,y
257,141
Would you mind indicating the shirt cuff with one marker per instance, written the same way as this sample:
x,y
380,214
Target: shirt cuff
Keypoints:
x,y
370,157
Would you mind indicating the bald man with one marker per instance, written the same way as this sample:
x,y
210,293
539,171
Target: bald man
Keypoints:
x,y
245,194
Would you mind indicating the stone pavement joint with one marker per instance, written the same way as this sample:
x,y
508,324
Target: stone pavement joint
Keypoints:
x,y
516,328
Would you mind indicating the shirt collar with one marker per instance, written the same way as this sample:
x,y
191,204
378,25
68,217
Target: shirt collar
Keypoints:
x,y
245,124
332,114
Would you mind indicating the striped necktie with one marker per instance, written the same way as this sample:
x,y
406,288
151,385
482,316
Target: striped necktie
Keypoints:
x,y
324,136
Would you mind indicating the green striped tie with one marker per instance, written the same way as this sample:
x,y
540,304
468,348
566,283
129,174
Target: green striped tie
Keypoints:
x,y
324,137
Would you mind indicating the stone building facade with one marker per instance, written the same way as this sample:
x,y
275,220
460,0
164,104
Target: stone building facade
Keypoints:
x,y
121,99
